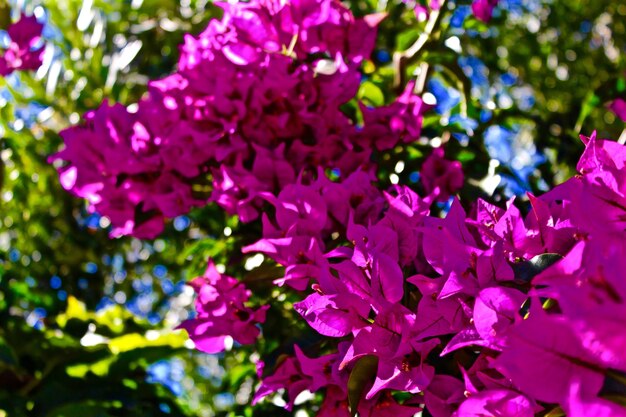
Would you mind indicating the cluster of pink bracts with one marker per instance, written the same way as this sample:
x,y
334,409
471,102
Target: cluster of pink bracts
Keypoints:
x,y
255,104
22,54
446,307
490,313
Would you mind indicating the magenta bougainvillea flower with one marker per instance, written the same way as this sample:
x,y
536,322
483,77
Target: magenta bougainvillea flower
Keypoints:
x,y
222,313
398,122
483,9
544,356
299,373
333,315
475,310
441,176
472,295
125,172
22,53
580,406
296,63
288,375
618,106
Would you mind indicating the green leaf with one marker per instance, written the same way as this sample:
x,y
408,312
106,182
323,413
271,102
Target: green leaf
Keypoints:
x,y
527,270
591,102
406,39
465,156
100,368
414,153
370,93
237,373
361,377
75,310
5,14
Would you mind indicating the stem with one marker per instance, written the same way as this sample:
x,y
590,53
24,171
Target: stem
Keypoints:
x,y
34,383
402,59
292,45
622,138
422,77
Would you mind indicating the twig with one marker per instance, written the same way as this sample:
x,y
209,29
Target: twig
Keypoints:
x,y
402,58
622,138
422,77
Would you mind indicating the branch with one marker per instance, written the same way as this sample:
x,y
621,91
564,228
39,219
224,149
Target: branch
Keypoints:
x,y
402,58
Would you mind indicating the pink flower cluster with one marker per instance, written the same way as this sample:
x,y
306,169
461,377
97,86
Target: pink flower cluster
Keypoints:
x,y
368,276
255,104
464,316
221,312
20,54
441,176
618,106
483,9
464,313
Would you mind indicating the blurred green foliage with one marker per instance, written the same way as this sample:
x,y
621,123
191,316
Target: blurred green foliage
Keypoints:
x,y
68,370
59,357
